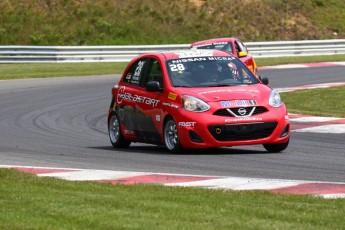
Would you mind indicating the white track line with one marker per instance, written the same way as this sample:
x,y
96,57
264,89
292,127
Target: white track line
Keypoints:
x,y
336,128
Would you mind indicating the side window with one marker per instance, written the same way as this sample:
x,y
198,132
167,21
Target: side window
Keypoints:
x,y
241,46
136,72
155,72
237,47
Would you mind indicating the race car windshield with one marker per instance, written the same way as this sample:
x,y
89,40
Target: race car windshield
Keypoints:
x,y
209,72
225,46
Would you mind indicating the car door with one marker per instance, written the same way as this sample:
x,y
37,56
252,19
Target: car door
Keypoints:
x,y
150,118
139,109
127,98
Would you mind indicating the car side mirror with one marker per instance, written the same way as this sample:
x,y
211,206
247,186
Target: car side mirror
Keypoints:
x,y
153,86
264,80
242,54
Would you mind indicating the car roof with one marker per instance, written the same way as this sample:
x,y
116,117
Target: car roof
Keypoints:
x,y
214,40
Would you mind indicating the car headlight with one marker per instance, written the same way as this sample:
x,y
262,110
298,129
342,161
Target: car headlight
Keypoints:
x,y
275,99
194,104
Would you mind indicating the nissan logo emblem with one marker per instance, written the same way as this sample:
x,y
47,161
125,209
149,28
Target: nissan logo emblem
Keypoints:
x,y
242,111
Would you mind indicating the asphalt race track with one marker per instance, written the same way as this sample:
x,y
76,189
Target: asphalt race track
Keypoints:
x,y
61,122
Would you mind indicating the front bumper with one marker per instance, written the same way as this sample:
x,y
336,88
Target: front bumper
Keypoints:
x,y
210,131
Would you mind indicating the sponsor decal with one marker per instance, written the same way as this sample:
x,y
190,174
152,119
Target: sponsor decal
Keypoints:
x,y
186,123
217,91
210,43
218,43
237,103
225,104
123,95
169,105
135,78
182,60
196,59
158,118
230,120
229,91
221,58
126,131
172,96
139,68
193,53
241,103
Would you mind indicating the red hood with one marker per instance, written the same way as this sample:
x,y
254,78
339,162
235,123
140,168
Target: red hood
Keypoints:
x,y
258,92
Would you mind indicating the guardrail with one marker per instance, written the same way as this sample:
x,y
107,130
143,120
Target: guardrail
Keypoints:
x,y
53,54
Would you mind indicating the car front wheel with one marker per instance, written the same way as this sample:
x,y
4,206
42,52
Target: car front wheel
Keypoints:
x,y
115,134
171,138
275,148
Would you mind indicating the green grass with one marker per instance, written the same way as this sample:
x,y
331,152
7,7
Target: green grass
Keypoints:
x,y
31,202
318,102
17,71
301,59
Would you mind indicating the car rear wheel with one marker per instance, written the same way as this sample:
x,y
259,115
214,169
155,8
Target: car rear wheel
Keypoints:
x,y
275,148
115,134
171,138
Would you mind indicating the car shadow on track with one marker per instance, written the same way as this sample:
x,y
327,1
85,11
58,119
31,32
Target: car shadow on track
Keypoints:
x,y
152,149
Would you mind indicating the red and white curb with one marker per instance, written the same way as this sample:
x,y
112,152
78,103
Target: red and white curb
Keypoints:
x,y
323,189
312,124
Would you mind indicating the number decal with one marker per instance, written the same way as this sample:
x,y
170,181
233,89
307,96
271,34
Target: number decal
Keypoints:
x,y
177,67
139,68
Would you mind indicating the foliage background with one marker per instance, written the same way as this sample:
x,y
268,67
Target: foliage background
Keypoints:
x,y
125,22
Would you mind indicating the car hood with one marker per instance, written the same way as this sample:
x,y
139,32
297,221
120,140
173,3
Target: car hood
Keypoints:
x,y
258,92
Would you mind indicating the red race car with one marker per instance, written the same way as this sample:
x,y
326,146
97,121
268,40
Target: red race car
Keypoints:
x,y
195,99
231,45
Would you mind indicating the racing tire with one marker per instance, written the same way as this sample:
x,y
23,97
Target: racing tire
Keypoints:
x,y
115,133
171,138
276,148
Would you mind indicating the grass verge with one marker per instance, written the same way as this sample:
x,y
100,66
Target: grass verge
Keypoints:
x,y
47,70
31,202
301,59
17,71
318,102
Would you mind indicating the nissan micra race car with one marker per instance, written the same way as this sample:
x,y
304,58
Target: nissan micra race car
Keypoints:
x,y
231,45
195,99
